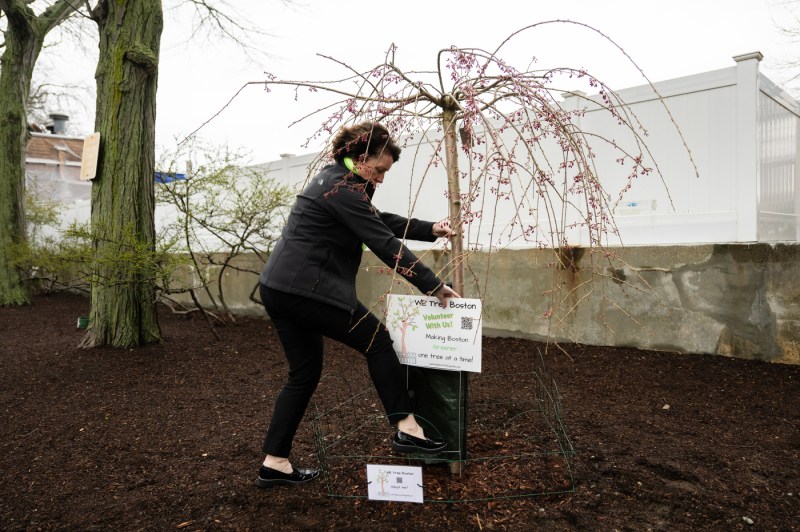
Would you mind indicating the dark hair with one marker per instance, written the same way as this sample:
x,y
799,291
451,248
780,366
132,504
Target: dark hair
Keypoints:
x,y
367,139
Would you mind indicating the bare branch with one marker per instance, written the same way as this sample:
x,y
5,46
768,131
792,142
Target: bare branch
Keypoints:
x,y
399,102
56,14
220,19
628,57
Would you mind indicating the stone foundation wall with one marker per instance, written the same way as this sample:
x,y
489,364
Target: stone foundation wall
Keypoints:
x,y
732,300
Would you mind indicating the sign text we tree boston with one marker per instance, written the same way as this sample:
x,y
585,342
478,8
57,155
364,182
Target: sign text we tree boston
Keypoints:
x,y
426,334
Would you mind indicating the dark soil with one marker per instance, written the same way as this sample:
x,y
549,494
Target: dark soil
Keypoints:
x,y
168,437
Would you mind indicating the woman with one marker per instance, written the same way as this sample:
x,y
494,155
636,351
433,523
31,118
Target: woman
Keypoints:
x,y
308,289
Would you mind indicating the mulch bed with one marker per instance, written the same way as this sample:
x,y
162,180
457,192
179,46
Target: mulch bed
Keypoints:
x,y
168,437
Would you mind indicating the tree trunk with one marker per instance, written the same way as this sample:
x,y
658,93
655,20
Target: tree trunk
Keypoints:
x,y
454,192
455,380
123,287
24,35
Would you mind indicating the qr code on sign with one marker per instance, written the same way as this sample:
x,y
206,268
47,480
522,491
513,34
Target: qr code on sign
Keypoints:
x,y
466,324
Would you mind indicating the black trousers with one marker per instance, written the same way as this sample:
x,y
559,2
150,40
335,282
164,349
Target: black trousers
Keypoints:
x,y
301,323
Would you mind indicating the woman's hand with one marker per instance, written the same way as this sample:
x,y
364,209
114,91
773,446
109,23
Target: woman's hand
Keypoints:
x,y
443,229
444,293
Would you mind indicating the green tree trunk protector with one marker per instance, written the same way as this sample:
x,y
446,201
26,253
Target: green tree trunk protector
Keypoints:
x,y
440,405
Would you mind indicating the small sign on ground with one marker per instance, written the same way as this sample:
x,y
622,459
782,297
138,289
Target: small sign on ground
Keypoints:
x,y
394,483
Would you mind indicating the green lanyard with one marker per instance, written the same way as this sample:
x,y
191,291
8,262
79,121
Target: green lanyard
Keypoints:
x,y
350,165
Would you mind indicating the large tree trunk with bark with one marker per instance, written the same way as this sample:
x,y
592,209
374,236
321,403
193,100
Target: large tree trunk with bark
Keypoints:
x,y
24,36
123,288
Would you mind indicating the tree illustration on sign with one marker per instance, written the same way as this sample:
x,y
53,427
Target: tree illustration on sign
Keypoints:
x,y
382,478
402,318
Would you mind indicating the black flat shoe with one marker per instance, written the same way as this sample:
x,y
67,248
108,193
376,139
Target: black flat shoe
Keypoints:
x,y
268,477
406,443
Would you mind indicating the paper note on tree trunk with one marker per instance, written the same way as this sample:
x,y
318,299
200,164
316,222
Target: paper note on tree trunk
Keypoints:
x,y
427,335
91,150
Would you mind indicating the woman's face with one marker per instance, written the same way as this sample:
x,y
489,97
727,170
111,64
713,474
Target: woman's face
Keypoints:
x,y
375,167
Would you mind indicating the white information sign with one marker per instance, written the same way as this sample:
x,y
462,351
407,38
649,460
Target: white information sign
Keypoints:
x,y
394,483
427,335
